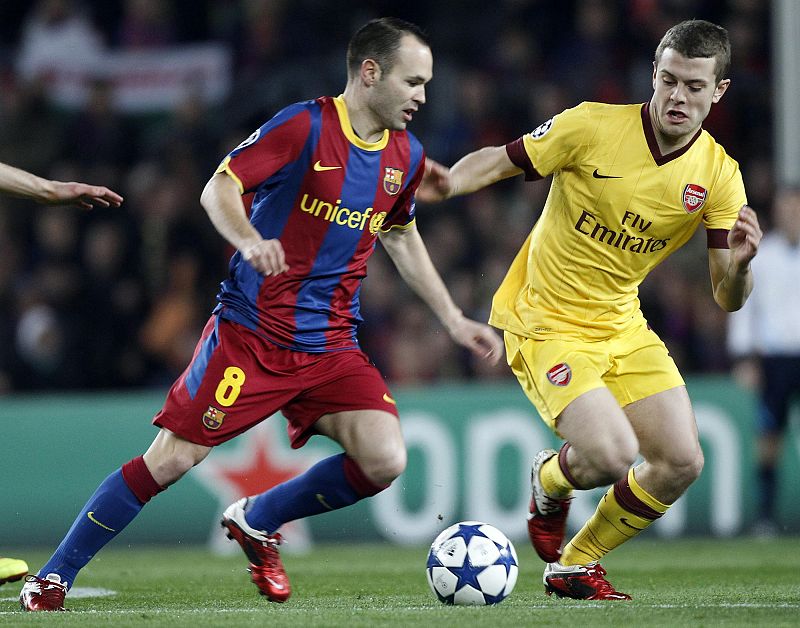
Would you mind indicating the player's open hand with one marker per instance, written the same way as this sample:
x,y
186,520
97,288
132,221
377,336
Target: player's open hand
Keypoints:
x,y
479,338
267,257
83,195
436,183
744,237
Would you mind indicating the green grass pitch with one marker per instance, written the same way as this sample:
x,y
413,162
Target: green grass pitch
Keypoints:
x,y
694,582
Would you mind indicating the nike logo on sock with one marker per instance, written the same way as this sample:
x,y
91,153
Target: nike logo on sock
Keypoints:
x,y
90,514
624,521
321,500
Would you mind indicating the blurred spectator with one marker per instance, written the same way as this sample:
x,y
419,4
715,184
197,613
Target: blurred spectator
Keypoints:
x,y
764,337
98,137
31,132
147,24
113,304
57,38
170,330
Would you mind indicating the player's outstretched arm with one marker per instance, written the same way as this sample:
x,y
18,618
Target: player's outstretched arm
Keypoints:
x,y
24,184
410,256
222,200
731,277
469,174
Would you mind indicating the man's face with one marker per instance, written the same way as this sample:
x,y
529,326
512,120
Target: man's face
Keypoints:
x,y
399,93
684,90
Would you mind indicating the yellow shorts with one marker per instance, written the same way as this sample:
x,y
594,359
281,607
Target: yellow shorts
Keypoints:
x,y
553,373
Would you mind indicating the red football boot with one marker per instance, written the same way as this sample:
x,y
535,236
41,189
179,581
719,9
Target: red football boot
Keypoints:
x,y
39,594
580,582
547,516
266,568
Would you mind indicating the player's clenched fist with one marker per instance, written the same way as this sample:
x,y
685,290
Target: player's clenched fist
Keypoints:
x,y
745,236
266,257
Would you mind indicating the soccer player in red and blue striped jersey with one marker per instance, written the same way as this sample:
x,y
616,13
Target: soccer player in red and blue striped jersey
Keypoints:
x,y
329,177
325,195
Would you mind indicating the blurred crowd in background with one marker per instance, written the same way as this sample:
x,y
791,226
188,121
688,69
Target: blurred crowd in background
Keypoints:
x,y
117,298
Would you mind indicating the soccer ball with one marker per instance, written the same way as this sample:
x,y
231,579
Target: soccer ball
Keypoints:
x,y
472,563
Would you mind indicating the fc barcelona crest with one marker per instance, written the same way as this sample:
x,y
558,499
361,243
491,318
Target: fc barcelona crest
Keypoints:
x,y
392,181
213,418
694,197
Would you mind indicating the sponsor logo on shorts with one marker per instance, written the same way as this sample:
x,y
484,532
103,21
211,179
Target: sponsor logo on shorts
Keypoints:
x,y
560,374
392,180
694,197
213,418
388,399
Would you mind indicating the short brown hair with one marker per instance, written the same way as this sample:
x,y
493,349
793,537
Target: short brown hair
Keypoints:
x,y
379,39
698,38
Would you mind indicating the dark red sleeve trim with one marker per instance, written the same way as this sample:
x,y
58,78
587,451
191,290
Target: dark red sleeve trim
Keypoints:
x,y
519,157
717,238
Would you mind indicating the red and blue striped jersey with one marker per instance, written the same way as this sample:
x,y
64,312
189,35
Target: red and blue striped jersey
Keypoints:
x,y
325,194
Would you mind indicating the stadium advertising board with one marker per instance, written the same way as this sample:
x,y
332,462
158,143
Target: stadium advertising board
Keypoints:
x,y
469,454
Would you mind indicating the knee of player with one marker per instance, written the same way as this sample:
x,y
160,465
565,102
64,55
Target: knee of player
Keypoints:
x,y
681,468
613,462
396,463
387,467
612,467
170,469
692,467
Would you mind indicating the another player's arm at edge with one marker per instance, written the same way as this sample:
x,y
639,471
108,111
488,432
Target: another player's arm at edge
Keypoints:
x,y
24,184
410,256
481,168
731,277
222,200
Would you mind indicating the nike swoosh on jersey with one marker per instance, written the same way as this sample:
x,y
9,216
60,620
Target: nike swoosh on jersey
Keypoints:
x,y
320,168
388,399
597,175
624,521
90,514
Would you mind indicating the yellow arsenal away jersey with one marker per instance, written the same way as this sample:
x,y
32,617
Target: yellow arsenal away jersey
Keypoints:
x,y
615,209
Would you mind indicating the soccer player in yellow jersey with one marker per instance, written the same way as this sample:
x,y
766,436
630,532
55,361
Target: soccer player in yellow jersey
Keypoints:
x,y
631,183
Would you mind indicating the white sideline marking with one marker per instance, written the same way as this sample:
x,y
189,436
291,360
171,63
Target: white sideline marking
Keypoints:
x,y
688,606
228,611
74,593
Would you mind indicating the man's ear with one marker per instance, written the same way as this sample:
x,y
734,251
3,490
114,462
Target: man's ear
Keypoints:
x,y
721,88
370,72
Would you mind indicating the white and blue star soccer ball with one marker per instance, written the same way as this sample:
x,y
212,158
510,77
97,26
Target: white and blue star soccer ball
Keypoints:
x,y
472,563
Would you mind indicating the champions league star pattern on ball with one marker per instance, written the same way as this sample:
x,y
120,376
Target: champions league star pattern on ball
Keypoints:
x,y
472,563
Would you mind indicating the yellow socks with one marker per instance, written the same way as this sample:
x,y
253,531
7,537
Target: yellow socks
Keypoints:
x,y
625,510
554,481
